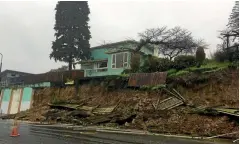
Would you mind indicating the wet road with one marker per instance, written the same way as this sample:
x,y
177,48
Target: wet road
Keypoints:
x,y
30,134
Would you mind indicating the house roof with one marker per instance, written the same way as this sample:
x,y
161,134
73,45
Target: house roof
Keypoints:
x,y
121,50
12,71
111,45
91,61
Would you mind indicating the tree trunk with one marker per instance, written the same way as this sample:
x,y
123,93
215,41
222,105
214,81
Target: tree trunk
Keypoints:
x,y
70,62
70,65
227,41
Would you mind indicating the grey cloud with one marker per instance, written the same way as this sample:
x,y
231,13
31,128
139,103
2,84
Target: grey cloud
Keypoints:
x,y
26,28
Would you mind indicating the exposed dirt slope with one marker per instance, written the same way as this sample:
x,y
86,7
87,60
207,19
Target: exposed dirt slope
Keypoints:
x,y
220,88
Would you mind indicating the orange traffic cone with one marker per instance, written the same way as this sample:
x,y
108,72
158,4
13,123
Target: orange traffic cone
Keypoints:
x,y
14,132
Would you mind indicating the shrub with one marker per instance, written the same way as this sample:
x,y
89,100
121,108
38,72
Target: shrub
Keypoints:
x,y
184,61
220,56
171,71
135,62
207,61
200,56
229,54
232,54
202,69
165,64
150,64
153,64
234,65
127,71
182,72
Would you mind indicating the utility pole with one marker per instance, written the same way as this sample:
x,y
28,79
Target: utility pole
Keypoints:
x,y
1,62
1,66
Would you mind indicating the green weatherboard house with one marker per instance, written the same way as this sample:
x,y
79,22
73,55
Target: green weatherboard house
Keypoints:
x,y
113,59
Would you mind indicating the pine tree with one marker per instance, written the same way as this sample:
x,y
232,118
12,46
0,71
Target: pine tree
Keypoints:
x,y
233,23
71,32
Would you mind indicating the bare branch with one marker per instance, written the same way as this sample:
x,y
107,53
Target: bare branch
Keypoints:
x,y
171,42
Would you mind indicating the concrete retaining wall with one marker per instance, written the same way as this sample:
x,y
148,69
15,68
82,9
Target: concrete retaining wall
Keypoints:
x,y
15,100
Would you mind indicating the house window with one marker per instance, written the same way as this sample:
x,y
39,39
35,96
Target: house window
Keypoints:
x,y
125,60
114,61
13,75
102,64
120,60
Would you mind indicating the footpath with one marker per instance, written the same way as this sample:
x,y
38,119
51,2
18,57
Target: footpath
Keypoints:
x,y
94,129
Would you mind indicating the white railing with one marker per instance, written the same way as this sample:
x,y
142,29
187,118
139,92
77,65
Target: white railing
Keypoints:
x,y
94,72
10,84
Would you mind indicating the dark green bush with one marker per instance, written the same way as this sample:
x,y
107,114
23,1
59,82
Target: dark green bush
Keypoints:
x,y
154,64
184,61
135,62
232,54
220,56
127,71
234,65
171,72
228,54
164,64
150,64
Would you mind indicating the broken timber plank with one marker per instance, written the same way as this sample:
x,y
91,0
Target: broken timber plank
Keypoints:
x,y
170,103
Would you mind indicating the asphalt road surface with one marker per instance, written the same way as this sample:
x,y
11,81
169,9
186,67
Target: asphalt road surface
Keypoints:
x,y
30,134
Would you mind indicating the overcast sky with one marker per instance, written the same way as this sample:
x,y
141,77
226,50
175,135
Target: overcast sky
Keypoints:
x,y
26,28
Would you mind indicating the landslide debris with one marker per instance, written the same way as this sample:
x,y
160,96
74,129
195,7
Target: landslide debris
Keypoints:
x,y
136,109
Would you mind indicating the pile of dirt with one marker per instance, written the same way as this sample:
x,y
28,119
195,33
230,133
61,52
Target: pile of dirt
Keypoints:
x,y
135,108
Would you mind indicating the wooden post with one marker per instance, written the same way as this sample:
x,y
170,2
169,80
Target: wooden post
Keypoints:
x,y
1,98
31,101
20,101
10,102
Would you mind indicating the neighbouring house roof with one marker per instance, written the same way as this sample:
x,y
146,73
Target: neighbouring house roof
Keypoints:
x,y
91,61
12,71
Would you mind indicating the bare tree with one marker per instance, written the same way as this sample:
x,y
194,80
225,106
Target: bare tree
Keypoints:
x,y
230,35
171,42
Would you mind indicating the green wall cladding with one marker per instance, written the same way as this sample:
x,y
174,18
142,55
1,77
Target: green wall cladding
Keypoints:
x,y
99,53
27,94
6,95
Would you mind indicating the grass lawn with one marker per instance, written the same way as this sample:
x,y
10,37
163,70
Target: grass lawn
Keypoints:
x,y
210,66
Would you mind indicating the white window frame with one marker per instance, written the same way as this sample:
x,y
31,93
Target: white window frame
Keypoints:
x,y
98,69
96,66
124,62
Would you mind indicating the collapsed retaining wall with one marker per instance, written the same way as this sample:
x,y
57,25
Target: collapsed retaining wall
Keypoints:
x,y
141,109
